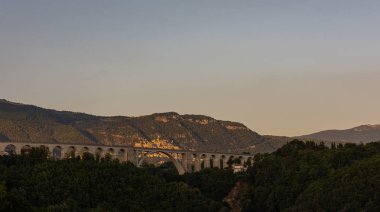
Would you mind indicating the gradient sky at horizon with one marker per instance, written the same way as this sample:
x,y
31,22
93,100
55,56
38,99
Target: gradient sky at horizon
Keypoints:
x,y
280,67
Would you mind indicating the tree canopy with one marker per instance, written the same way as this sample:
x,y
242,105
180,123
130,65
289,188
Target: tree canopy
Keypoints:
x,y
300,176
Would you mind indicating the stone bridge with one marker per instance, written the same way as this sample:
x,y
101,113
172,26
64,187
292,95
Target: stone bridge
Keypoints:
x,y
184,160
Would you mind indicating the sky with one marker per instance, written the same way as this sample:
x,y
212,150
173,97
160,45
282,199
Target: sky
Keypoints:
x,y
279,67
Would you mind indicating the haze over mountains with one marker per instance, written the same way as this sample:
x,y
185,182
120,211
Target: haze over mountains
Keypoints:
x,y
19,122
364,134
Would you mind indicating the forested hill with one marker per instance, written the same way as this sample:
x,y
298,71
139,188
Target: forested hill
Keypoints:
x,y
311,177
19,122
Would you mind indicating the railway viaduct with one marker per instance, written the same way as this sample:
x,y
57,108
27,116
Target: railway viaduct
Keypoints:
x,y
184,160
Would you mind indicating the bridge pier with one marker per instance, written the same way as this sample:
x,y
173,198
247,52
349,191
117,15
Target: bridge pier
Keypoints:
x,y
206,161
122,155
197,163
216,161
131,156
186,161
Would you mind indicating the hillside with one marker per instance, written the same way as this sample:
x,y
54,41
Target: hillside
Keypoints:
x,y
305,176
364,133
19,122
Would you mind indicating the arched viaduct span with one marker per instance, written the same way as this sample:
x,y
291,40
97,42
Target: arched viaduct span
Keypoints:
x,y
184,160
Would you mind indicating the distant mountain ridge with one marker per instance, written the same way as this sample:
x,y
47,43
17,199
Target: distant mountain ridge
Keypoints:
x,y
19,122
363,133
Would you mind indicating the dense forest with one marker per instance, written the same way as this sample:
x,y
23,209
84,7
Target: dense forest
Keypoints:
x,y
300,176
311,177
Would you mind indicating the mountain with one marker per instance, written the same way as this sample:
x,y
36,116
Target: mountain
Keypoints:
x,y
364,134
20,122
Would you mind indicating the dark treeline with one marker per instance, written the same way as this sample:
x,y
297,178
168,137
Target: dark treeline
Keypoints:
x,y
34,183
311,177
298,177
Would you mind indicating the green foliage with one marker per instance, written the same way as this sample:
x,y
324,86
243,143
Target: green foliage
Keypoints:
x,y
352,188
213,183
33,182
308,176
298,177
88,156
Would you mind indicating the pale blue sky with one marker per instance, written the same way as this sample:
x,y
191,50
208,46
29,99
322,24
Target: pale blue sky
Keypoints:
x,y
280,67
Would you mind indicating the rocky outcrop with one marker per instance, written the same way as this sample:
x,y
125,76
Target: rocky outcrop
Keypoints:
x,y
238,196
19,122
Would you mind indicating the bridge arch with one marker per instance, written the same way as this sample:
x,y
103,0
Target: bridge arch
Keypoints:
x,y
121,155
57,152
214,161
110,152
223,162
10,149
25,149
205,161
44,147
176,163
98,152
70,152
85,149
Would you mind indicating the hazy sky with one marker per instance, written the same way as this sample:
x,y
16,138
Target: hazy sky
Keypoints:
x,y
280,67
